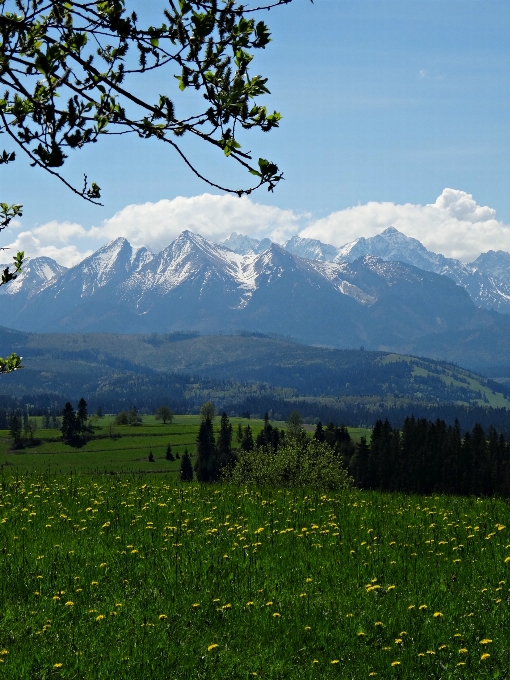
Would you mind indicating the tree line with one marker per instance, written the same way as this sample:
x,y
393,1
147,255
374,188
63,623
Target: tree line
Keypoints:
x,y
431,457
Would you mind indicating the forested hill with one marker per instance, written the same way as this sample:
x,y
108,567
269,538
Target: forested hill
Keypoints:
x,y
92,364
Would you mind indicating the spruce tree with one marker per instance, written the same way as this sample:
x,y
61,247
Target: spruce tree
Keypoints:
x,y
319,433
69,424
15,430
206,450
81,415
186,470
247,441
224,454
169,455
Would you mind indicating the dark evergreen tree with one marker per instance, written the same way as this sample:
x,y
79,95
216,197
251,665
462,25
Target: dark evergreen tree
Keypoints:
x,y
81,415
224,454
69,425
169,455
15,430
151,457
247,441
186,470
319,433
206,450
239,435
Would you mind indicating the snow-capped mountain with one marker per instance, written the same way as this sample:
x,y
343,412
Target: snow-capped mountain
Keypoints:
x,y
244,244
312,249
487,279
195,284
35,273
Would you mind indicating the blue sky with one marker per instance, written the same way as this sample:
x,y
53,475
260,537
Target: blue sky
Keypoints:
x,y
384,101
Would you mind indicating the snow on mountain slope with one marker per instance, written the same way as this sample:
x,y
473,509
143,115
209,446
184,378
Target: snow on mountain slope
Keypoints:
x,y
244,245
35,273
311,248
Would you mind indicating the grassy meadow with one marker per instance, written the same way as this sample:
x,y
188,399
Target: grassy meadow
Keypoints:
x,y
118,449
133,576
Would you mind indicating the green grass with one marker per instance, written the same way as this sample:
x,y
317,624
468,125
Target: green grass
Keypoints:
x,y
115,448
135,577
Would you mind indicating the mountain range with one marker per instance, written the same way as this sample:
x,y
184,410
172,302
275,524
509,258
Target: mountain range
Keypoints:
x,y
387,293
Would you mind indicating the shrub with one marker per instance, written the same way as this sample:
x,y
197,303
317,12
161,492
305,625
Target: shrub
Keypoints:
x,y
306,464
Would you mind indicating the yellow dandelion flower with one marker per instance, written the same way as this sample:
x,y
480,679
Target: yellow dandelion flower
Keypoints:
x,y
100,617
268,604
484,656
485,641
56,597
372,673
507,559
195,605
378,623
4,652
309,580
395,663
391,587
461,663
163,617
438,615
422,607
463,650
442,646
211,647
69,604
276,614
411,606
398,641
249,604
94,583
58,665
361,634
335,661
315,661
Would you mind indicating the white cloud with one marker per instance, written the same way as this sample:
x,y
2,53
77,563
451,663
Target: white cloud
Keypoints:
x,y
454,225
156,225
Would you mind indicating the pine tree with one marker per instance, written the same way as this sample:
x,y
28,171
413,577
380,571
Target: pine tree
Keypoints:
x,y
15,430
319,433
186,470
169,455
206,451
247,441
224,454
81,415
68,422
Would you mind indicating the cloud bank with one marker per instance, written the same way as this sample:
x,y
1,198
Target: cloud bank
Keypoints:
x,y
454,225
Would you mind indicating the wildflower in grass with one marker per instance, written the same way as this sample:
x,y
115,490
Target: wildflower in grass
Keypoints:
x,y
391,587
249,604
100,617
421,654
3,652
268,604
411,606
56,597
308,628
395,663
163,617
484,656
303,595
398,641
461,663
438,615
276,615
442,647
335,661
69,604
315,661
309,580
422,607
103,564
211,647
58,665
94,583
378,623
463,650
195,605
507,559
361,634
485,641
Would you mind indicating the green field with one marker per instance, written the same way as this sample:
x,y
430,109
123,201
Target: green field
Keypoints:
x,y
119,449
135,577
